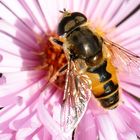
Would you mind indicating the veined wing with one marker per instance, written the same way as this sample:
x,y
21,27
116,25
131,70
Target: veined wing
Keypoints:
x,y
123,59
76,96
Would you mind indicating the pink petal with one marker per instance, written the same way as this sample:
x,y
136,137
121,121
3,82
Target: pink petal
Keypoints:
x,y
106,129
25,76
7,38
112,10
63,4
18,16
33,9
130,88
49,13
91,8
123,11
131,118
42,134
132,79
85,127
6,100
125,27
46,119
7,115
13,31
5,136
16,49
134,46
23,133
16,85
31,104
130,40
2,80
15,61
79,5
120,123
52,124
1,58
134,31
131,101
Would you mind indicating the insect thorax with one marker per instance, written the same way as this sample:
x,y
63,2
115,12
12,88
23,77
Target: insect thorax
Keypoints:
x,y
84,43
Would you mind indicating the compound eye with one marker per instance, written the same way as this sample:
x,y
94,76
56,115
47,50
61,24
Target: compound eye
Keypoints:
x,y
79,19
69,25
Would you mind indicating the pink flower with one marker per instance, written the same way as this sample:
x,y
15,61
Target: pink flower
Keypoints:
x,y
29,97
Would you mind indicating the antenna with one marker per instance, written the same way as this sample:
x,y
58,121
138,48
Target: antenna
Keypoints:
x,y
65,12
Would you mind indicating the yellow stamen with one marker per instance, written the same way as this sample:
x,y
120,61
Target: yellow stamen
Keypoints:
x,y
51,58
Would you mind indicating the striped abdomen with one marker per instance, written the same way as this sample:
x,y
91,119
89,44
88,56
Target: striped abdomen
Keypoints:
x,y
105,84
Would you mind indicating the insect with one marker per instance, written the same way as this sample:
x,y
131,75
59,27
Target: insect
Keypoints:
x,y
93,63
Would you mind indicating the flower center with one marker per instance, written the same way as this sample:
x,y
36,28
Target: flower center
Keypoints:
x,y
52,59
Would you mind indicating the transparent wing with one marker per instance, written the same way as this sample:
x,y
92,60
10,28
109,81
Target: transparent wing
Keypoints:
x,y
76,96
123,59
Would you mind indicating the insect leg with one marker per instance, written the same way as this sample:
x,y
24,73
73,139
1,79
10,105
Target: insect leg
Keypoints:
x,y
1,75
73,133
56,41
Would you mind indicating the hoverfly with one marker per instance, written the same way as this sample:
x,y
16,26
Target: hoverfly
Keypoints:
x,y
93,61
